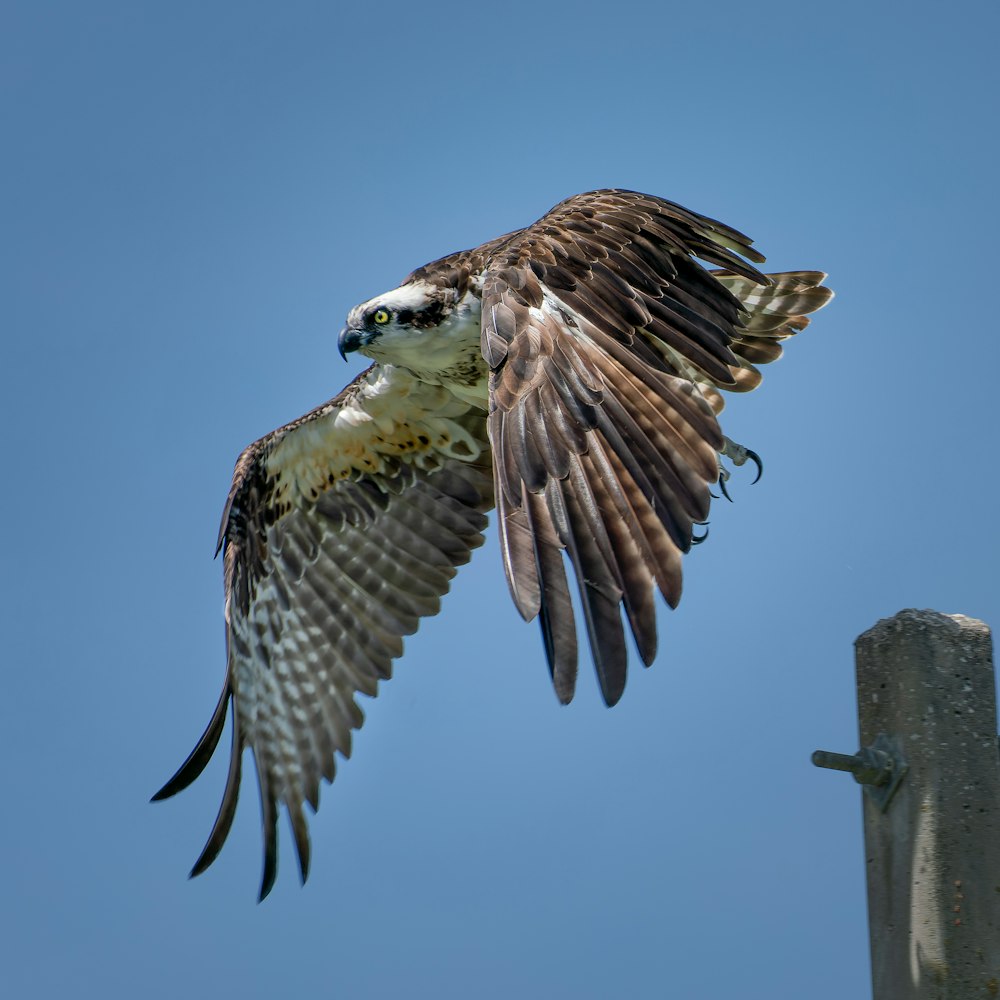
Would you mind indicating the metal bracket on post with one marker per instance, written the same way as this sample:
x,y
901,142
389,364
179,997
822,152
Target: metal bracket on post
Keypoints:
x,y
879,769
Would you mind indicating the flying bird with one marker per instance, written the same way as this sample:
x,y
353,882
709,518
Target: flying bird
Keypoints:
x,y
568,375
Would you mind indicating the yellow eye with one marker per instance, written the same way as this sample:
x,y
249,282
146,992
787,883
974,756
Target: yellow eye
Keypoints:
x,y
381,317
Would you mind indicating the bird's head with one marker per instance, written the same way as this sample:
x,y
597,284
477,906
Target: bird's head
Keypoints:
x,y
393,326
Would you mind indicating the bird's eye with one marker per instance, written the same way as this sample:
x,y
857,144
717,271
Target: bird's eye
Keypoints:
x,y
381,316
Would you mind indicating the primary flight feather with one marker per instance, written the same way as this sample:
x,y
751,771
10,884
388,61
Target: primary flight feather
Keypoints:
x,y
567,374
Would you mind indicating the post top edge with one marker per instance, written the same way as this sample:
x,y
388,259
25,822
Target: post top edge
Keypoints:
x,y
918,620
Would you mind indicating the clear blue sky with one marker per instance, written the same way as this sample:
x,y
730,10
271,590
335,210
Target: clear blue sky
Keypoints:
x,y
194,194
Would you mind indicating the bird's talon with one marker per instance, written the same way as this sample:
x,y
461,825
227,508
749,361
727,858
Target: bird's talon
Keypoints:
x,y
739,455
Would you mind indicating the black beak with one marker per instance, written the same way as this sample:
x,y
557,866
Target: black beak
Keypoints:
x,y
350,340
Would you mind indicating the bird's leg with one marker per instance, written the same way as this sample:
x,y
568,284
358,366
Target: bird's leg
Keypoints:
x,y
738,455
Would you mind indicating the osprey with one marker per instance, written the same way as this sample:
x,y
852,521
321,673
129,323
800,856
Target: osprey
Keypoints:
x,y
567,374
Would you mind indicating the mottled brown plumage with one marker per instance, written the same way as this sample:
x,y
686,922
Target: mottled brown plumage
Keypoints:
x,y
570,371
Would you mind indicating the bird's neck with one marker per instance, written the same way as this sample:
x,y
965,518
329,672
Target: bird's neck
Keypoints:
x,y
452,356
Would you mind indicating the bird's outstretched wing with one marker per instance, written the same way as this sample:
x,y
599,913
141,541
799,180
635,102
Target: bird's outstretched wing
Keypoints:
x,y
342,530
597,324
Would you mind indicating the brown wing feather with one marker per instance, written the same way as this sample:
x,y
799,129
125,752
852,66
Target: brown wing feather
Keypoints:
x,y
341,531
596,319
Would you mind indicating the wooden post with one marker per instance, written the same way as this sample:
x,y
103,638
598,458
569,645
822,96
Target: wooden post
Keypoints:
x,y
927,698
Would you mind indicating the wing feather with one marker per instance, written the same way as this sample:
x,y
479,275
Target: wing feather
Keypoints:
x,y
634,560
556,618
600,596
227,808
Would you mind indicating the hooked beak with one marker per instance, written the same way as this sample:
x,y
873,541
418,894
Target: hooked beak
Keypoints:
x,y
351,340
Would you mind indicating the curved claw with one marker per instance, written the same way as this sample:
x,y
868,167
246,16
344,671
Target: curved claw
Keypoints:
x,y
725,492
756,459
698,539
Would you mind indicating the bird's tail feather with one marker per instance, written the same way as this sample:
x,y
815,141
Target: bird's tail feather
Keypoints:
x,y
774,313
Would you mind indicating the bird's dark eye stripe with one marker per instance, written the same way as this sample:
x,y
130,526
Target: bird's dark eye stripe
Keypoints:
x,y
433,314
404,316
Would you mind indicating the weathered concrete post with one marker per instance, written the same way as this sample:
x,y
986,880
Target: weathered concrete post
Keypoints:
x,y
925,680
